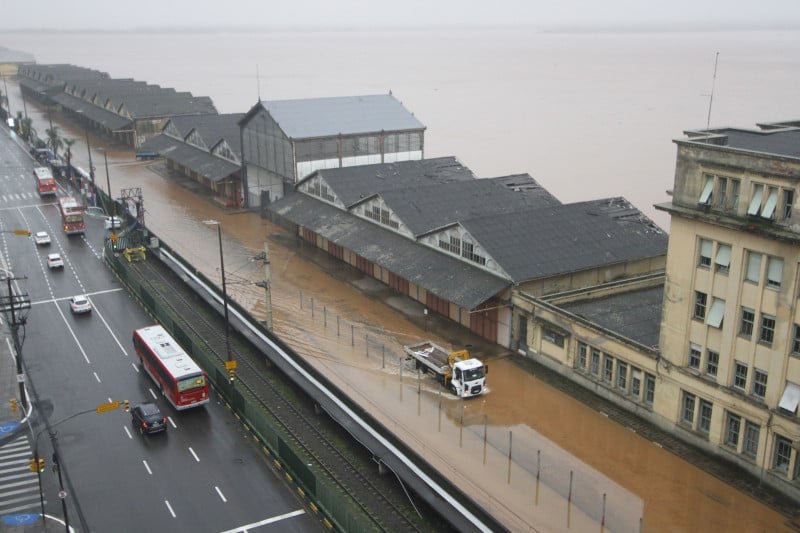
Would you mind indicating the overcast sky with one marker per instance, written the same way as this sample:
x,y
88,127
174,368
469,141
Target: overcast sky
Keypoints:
x,y
132,14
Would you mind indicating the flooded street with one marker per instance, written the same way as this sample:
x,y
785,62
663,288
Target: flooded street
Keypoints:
x,y
537,458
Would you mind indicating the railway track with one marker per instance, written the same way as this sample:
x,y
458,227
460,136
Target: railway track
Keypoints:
x,y
382,498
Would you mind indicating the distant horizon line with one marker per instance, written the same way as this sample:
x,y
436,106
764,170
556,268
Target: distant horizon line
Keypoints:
x,y
674,27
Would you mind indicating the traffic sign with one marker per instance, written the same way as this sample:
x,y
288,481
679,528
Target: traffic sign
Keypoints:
x,y
230,365
8,427
110,406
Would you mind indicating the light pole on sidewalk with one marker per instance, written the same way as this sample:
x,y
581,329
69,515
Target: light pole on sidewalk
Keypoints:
x,y
230,364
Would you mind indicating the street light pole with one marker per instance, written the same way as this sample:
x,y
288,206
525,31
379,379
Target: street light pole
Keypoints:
x,y
224,289
108,184
91,166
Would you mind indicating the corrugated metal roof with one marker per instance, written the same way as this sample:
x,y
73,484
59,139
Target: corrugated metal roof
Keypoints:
x,y
208,166
425,209
96,114
325,117
213,128
352,184
543,242
779,142
444,276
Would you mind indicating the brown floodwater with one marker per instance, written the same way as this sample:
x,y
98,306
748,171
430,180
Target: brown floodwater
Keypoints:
x,y
516,450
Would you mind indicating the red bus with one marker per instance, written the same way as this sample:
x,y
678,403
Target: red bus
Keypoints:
x,y
181,381
45,183
71,215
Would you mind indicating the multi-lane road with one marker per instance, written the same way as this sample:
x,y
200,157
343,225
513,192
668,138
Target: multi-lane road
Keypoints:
x,y
204,474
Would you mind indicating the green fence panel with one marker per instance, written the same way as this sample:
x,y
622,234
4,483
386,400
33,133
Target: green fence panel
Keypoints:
x,y
299,467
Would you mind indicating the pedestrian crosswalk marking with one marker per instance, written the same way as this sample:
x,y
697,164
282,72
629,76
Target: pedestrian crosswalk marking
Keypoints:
x,y
19,487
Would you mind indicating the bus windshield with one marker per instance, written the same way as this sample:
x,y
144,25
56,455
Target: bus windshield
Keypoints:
x,y
191,383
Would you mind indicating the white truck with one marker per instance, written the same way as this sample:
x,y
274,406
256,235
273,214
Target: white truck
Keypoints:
x,y
464,375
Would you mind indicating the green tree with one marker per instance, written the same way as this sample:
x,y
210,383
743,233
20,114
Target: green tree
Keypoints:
x,y
54,142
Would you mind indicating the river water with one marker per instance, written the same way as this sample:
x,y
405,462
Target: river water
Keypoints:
x,y
588,115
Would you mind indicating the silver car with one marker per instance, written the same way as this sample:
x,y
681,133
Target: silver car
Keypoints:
x,y
80,304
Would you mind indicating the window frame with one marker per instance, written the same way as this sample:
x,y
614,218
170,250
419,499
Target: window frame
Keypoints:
x,y
752,434
766,330
705,251
740,371
704,414
695,356
759,388
753,275
700,305
746,326
733,428
781,444
688,404
710,364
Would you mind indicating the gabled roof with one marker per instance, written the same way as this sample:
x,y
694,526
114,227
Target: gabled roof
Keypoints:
x,y
96,114
213,128
442,275
543,242
427,208
309,118
208,166
354,184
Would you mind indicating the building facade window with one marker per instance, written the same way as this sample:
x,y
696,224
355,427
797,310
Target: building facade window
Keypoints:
x,y
722,190
788,203
595,362
739,376
468,252
712,363
552,336
708,189
735,188
755,199
732,427
747,322
716,314
608,368
753,272
774,272
705,253
704,420
796,340
636,382
766,333
700,300
649,388
583,351
687,409
783,454
751,436
722,262
759,383
622,375
694,356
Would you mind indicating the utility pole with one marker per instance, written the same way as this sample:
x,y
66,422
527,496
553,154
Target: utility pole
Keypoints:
x,y
91,166
266,284
8,100
14,303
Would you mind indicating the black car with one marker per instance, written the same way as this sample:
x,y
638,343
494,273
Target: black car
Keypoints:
x,y
147,418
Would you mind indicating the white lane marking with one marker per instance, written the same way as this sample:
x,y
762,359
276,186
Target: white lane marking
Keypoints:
x,y
97,311
96,377
221,495
171,422
245,527
147,467
170,508
153,394
110,400
134,367
73,334
128,432
40,302
194,454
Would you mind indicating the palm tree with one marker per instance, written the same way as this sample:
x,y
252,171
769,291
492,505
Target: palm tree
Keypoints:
x,y
68,144
53,140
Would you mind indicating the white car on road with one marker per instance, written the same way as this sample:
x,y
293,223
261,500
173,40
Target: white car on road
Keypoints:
x,y
41,238
80,304
55,261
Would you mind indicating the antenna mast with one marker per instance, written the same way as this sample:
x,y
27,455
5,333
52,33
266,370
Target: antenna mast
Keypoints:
x,y
711,97
258,82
